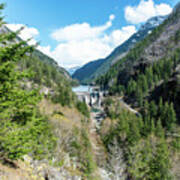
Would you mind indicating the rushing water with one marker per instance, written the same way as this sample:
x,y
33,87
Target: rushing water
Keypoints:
x,y
81,88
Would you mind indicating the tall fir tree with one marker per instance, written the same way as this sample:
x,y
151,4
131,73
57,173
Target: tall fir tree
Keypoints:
x,y
160,164
22,129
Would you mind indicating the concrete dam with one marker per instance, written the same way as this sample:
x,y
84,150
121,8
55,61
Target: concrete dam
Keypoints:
x,y
93,96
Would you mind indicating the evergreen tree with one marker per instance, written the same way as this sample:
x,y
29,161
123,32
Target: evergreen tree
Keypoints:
x,y
160,164
156,79
123,126
171,117
139,96
134,132
159,129
145,109
152,125
144,85
153,109
160,107
147,125
149,76
131,88
22,128
164,116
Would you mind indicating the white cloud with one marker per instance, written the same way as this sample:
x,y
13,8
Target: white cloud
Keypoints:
x,y
80,52
30,33
76,32
81,43
145,10
78,44
112,17
45,49
26,34
119,36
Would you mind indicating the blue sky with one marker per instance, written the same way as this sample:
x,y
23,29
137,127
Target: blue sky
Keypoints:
x,y
76,31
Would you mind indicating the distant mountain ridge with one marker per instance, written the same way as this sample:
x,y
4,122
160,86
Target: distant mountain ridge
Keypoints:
x,y
87,70
153,22
90,71
72,69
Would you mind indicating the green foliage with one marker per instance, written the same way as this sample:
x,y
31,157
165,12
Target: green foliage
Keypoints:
x,y
63,95
22,129
138,159
82,107
176,143
44,73
149,159
131,88
35,137
142,139
47,73
127,129
160,164
111,108
137,76
143,83
140,85
164,114
171,117
159,129
82,150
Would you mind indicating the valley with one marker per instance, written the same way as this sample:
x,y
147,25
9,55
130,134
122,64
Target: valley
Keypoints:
x,y
93,98
140,85
114,118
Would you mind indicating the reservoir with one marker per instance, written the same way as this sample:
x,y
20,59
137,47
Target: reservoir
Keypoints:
x,y
81,88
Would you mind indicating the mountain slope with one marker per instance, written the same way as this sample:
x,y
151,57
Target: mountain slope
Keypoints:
x,y
92,70
160,43
148,79
51,127
151,69
52,79
72,69
40,55
44,58
87,70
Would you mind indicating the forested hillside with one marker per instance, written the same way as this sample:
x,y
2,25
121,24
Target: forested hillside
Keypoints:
x,y
147,78
151,66
46,74
87,70
41,119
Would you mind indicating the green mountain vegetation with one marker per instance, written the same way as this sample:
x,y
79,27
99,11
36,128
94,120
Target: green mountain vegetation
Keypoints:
x,y
21,123
40,116
87,70
144,147
148,79
47,133
147,68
